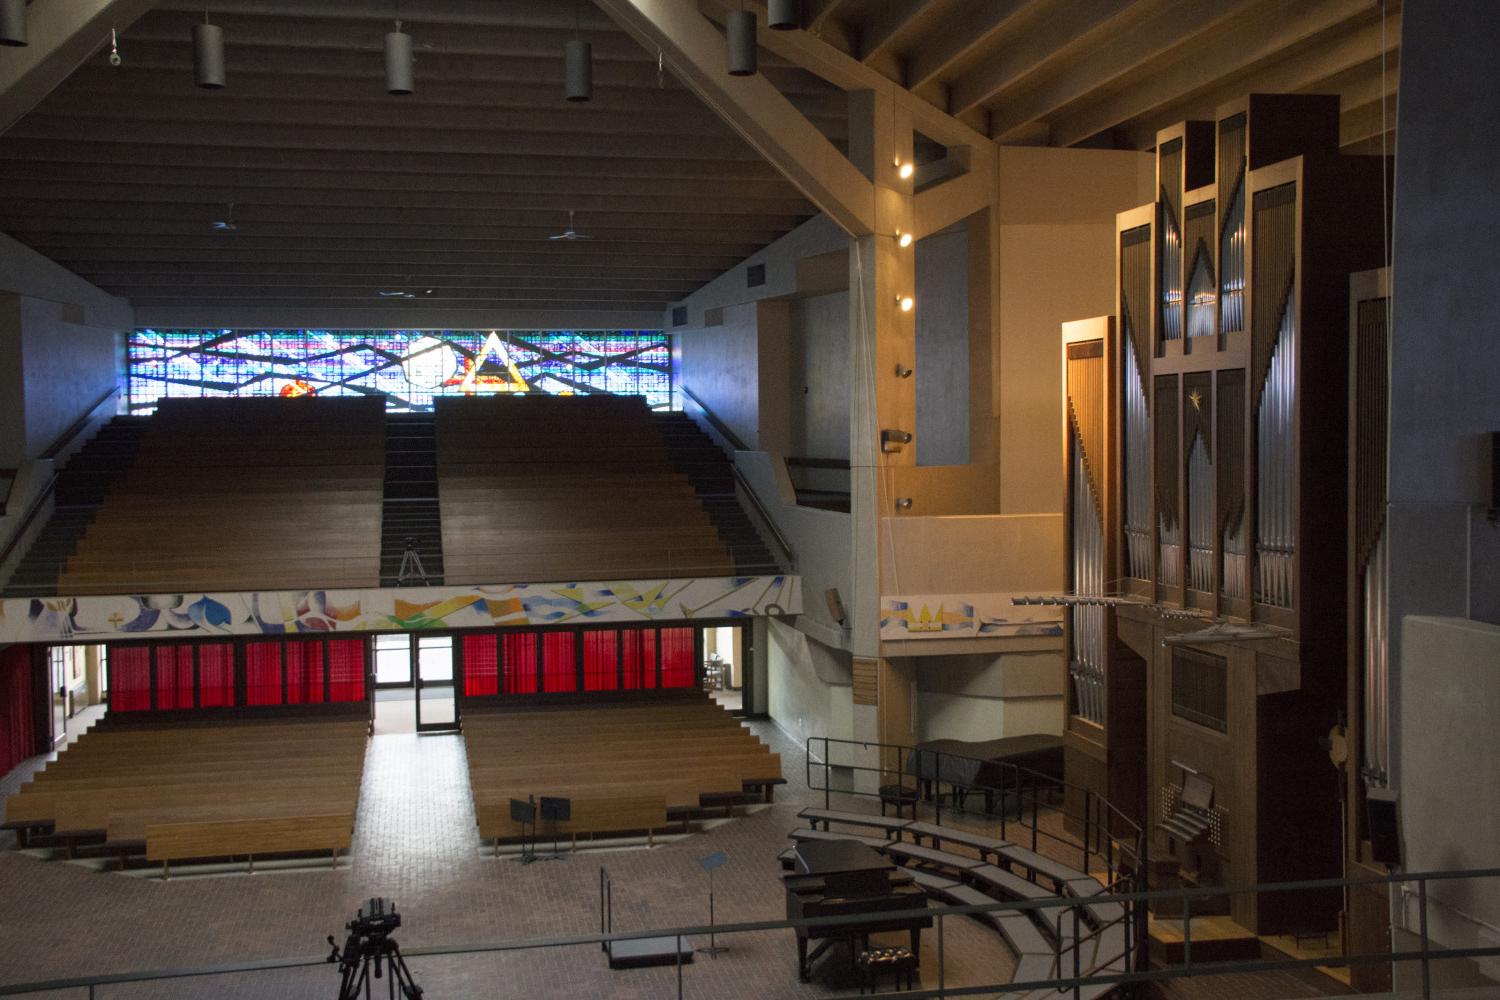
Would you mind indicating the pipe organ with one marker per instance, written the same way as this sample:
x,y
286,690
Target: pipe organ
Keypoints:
x,y
1225,416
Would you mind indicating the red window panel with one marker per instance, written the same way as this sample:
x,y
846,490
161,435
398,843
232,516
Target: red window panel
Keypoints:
x,y
215,675
304,672
601,665
677,658
17,732
263,673
639,658
520,662
130,679
559,662
346,670
481,664
174,676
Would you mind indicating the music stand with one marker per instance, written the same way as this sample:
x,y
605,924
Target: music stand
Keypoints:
x,y
555,810
709,863
523,811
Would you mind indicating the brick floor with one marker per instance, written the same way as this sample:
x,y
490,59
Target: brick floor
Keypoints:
x,y
416,842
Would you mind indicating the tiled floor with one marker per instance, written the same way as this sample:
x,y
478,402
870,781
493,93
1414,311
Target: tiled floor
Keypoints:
x,y
416,842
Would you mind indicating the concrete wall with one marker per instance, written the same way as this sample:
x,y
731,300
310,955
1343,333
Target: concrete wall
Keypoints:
x,y
718,366
1056,249
819,382
942,361
1450,812
988,696
809,685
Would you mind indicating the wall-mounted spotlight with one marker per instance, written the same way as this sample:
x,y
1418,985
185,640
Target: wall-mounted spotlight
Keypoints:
x,y
905,303
13,23
578,64
903,239
398,75
902,371
114,48
208,55
891,440
903,503
904,170
742,45
782,15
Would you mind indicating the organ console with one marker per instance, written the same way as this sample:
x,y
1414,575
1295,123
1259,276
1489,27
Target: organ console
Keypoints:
x,y
1206,459
845,878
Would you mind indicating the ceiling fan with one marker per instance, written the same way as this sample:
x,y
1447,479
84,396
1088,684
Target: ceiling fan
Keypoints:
x,y
570,234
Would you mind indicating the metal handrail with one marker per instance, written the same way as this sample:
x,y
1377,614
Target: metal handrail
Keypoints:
x,y
1425,953
744,483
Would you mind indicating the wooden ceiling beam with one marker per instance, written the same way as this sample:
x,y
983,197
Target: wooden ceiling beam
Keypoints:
x,y
495,292
395,314
752,106
375,281
388,253
62,35
1258,36
369,140
966,33
554,274
644,208
1047,40
1301,72
103,181
499,163
894,22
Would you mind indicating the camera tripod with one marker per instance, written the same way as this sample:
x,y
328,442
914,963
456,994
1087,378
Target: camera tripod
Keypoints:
x,y
359,955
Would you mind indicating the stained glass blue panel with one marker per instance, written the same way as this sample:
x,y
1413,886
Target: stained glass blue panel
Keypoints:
x,y
409,367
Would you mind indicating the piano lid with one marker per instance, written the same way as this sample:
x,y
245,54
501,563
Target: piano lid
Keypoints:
x,y
835,857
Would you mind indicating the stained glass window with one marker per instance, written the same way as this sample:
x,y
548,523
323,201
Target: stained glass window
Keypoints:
x,y
409,367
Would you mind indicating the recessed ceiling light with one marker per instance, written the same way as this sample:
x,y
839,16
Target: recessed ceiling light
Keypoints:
x,y
395,294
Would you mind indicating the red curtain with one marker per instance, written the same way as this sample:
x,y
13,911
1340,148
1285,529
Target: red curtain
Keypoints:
x,y
639,657
520,662
481,664
262,673
600,661
130,679
304,672
174,676
17,731
677,658
216,675
346,670
559,662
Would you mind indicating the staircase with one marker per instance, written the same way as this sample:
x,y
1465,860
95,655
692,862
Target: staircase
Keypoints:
x,y
80,490
410,507
694,454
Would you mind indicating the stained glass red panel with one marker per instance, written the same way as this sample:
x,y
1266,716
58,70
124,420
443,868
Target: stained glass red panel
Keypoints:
x,y
346,670
677,658
481,666
601,664
263,673
130,679
174,676
215,675
304,672
520,662
559,662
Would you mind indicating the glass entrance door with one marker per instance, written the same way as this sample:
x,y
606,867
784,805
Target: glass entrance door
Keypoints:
x,y
437,706
58,659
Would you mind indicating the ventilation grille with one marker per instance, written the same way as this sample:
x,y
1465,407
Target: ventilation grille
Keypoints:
x,y
755,275
679,316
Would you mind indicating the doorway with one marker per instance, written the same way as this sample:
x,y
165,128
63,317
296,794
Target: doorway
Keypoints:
x,y
414,684
78,688
726,667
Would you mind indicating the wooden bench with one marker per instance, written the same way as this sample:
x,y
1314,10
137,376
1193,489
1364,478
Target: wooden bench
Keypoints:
x,y
168,842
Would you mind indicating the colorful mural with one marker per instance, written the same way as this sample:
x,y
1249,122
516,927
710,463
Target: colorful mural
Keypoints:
x,y
964,616
94,619
409,367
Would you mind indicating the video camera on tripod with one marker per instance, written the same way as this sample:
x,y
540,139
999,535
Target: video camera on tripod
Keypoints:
x,y
368,945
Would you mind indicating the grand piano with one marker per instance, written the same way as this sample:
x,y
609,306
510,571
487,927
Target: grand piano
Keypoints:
x,y
845,878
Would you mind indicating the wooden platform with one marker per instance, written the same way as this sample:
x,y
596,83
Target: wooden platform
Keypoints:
x,y
1215,939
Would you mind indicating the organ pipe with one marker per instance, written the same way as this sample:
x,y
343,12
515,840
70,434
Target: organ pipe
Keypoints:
x,y
1169,168
1086,666
1232,163
1200,517
1376,663
1137,471
1276,526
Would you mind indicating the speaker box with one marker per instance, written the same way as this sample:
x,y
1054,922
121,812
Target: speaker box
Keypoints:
x,y
1385,838
835,606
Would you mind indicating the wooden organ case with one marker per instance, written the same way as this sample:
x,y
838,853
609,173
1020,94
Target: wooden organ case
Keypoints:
x,y
1224,503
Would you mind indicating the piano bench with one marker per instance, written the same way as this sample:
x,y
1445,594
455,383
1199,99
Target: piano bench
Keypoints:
x,y
876,962
900,797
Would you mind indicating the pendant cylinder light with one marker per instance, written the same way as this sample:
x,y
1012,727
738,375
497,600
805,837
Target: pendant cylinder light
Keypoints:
x,y
13,22
208,55
741,26
398,77
579,65
782,15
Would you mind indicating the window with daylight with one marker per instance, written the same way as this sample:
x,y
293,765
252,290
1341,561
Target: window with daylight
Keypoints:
x,y
410,368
